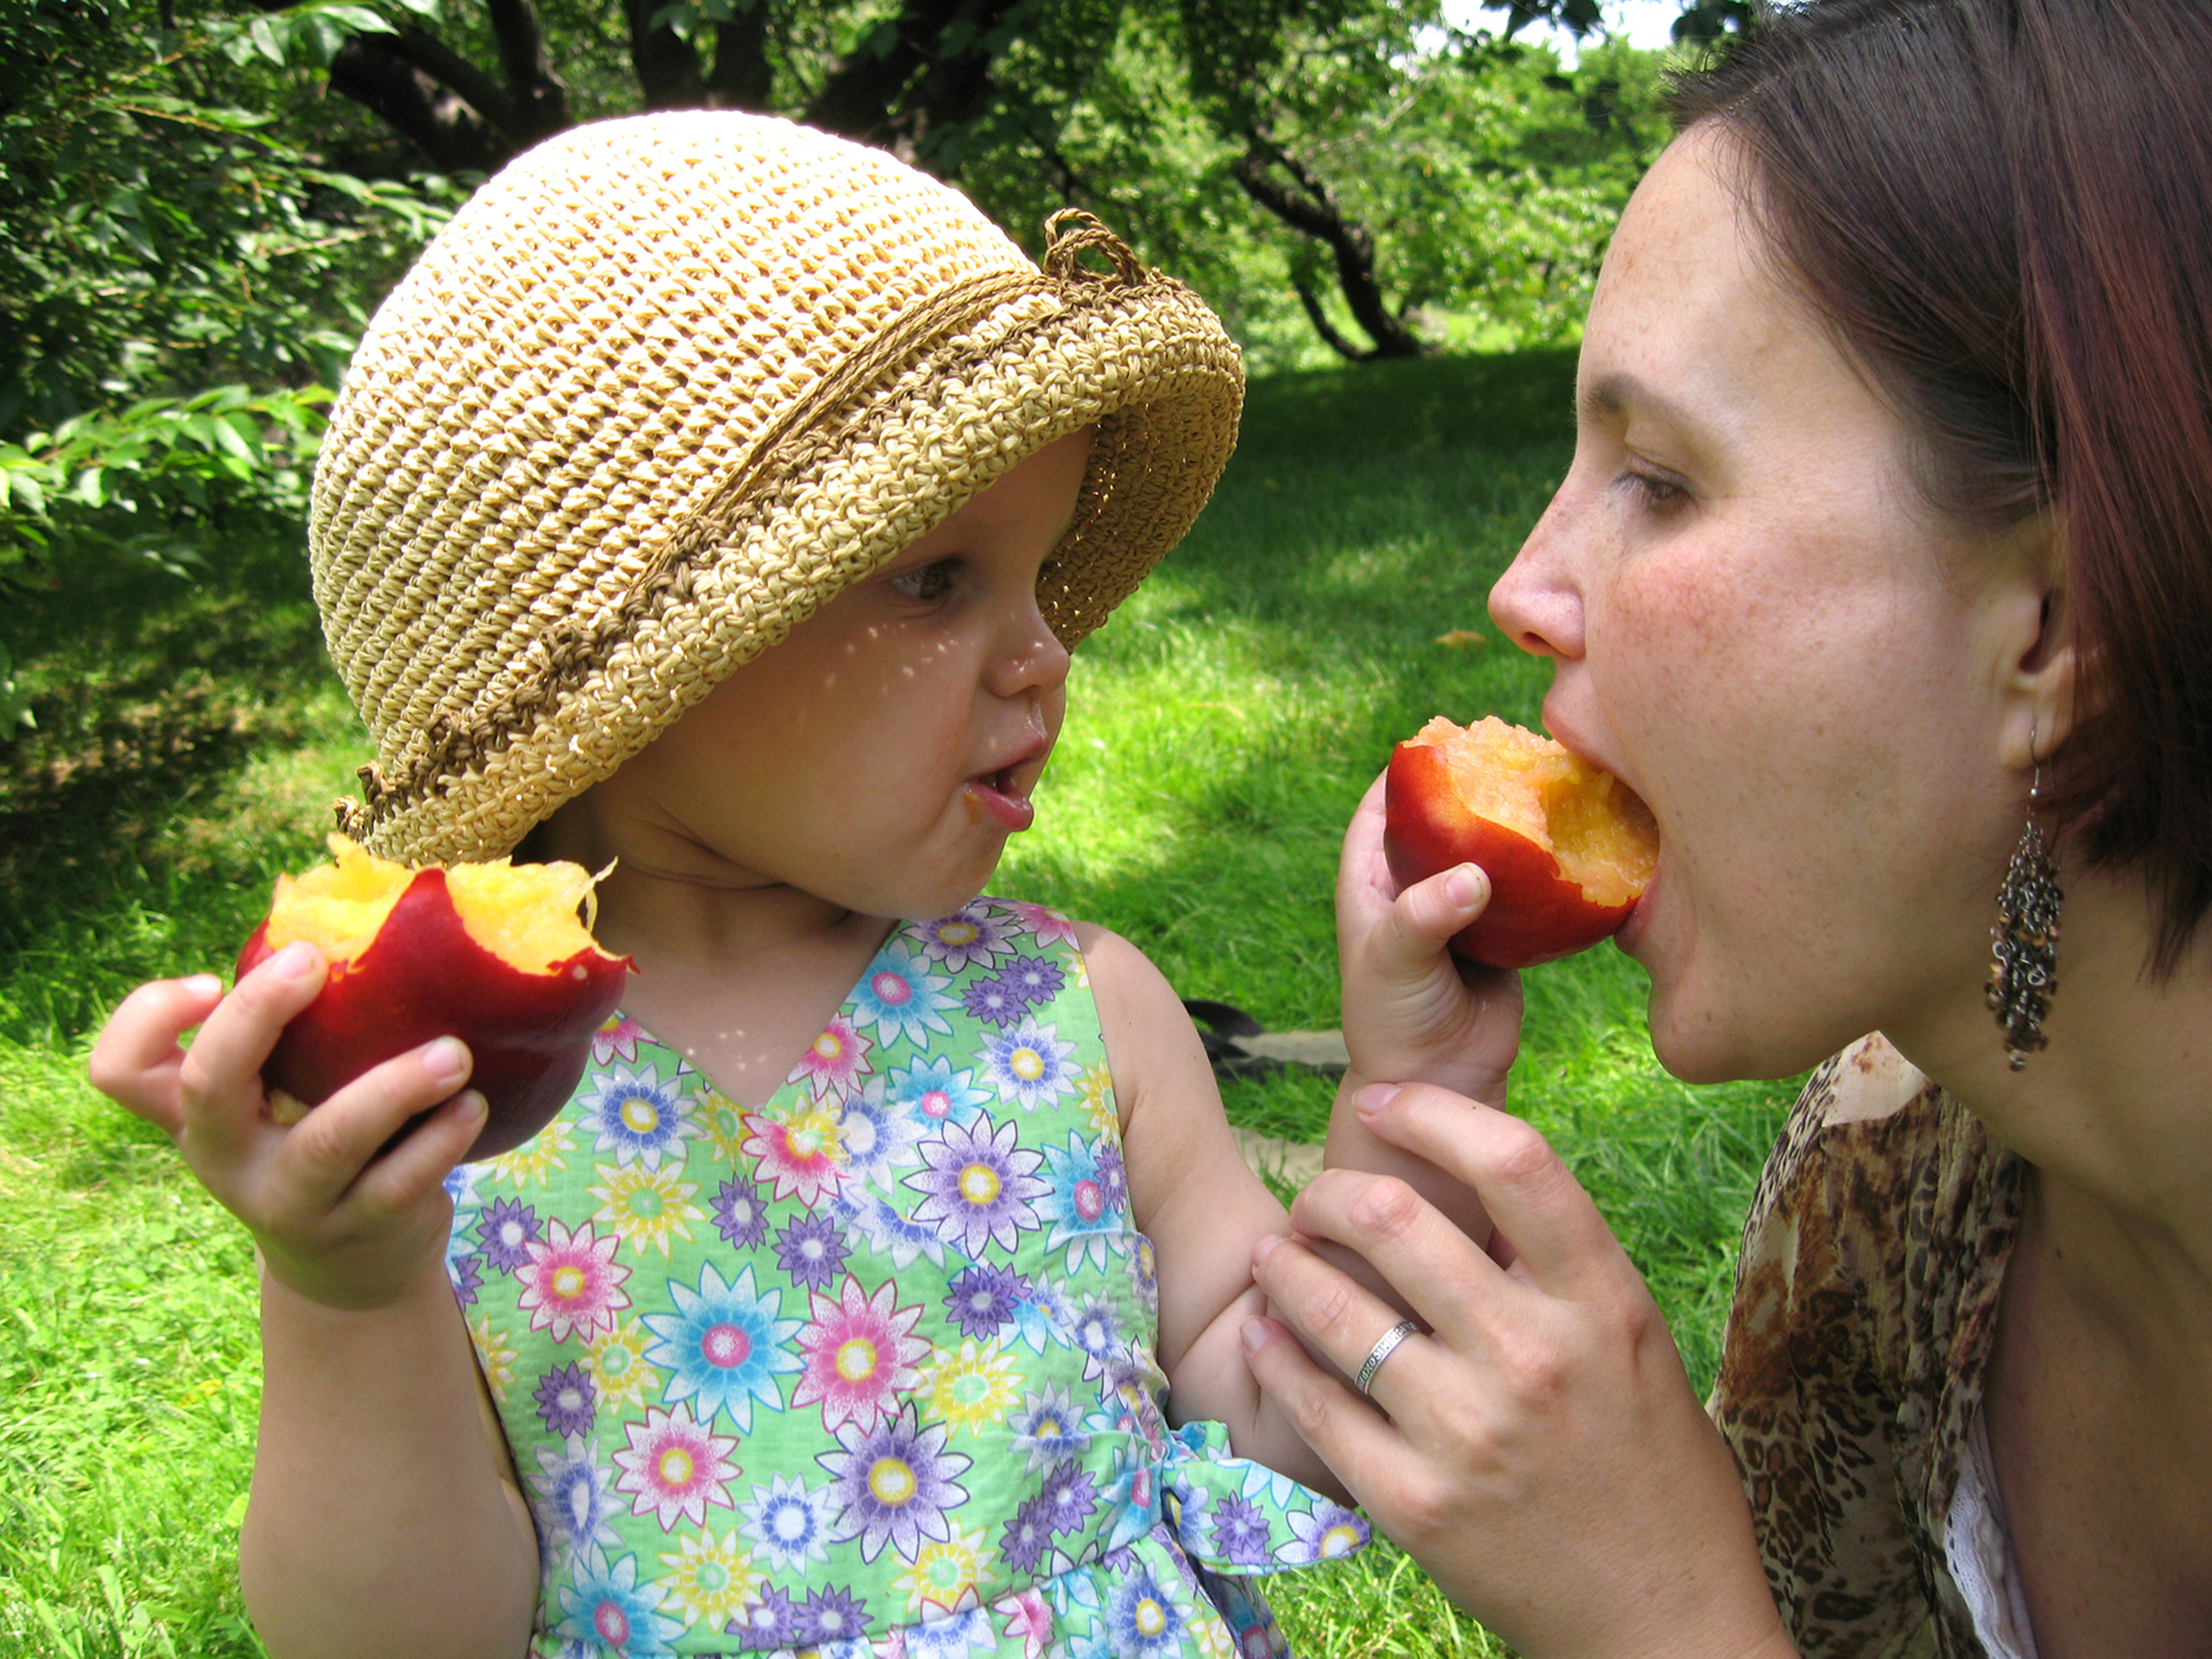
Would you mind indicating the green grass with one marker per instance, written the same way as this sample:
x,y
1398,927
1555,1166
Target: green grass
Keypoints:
x,y
1220,729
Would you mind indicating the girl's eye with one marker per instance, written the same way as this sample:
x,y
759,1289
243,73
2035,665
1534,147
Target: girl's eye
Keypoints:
x,y
928,582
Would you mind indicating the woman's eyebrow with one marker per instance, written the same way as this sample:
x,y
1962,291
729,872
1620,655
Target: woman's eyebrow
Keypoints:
x,y
1619,394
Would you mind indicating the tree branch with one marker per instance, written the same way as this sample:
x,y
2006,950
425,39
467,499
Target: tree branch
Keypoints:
x,y
1313,210
667,67
380,73
539,99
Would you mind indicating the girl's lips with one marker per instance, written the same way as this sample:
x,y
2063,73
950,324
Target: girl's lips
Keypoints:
x,y
990,797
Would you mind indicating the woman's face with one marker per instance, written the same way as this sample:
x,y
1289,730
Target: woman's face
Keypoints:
x,y
1755,622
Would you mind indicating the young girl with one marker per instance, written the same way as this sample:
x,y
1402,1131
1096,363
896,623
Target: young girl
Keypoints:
x,y
719,501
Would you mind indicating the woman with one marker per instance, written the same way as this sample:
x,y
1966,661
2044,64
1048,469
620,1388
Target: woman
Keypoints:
x,y
1883,573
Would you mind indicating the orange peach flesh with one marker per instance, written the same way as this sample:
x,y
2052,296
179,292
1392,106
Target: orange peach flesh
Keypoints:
x,y
531,916
1593,823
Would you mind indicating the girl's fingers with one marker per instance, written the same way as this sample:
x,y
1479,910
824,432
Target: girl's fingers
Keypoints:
x,y
328,1150
1556,1233
1423,918
420,1161
1362,874
1366,1453
134,1061
221,1077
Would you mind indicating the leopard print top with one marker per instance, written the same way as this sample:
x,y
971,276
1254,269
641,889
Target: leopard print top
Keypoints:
x,y
1866,1300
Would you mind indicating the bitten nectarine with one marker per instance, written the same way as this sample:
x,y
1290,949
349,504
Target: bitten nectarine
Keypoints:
x,y
1568,848
498,955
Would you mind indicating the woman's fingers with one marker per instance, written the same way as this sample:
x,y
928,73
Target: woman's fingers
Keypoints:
x,y
1437,1271
135,1060
1365,1452
1554,1233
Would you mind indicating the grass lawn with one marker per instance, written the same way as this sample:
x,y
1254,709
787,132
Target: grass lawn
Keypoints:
x,y
1220,729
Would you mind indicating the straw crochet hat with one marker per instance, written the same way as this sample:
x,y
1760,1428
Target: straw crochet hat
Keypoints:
x,y
660,390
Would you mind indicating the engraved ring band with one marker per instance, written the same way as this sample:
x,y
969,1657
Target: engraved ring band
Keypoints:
x,y
1381,1351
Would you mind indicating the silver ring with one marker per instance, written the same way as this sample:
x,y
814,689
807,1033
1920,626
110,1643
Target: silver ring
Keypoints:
x,y
1381,1351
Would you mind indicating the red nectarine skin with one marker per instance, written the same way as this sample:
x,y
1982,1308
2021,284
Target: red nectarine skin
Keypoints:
x,y
1535,913
423,976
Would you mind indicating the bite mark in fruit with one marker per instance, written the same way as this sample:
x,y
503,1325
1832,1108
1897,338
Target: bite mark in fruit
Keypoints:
x,y
498,955
1568,848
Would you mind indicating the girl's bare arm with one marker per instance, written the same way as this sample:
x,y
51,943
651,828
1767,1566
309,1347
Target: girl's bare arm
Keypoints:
x,y
1193,1195
385,1517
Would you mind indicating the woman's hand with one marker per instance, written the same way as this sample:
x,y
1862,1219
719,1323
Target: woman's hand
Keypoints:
x,y
1412,1010
340,1220
1543,1456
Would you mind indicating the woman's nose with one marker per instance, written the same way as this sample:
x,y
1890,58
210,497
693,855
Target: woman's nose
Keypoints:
x,y
1537,603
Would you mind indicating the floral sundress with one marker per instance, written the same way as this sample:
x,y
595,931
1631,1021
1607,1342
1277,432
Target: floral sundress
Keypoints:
x,y
868,1372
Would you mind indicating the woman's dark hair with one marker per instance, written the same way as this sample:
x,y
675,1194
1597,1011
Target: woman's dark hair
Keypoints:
x,y
2005,208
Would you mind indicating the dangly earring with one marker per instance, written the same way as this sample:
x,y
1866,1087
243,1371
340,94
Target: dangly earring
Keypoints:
x,y
2024,955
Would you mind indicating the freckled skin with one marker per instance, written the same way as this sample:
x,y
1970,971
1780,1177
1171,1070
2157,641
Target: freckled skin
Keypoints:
x,y
1759,627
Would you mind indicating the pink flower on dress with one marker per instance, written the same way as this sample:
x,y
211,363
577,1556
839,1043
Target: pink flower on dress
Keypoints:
x,y
674,1467
618,1036
859,1352
804,1154
836,1060
1027,1615
572,1284
1049,926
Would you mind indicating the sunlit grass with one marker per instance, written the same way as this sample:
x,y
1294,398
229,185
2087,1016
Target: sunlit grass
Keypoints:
x,y
1221,728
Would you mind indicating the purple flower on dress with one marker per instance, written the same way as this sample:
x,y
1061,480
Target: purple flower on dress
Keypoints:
x,y
1113,1176
994,1002
1069,1498
467,1277
739,1215
969,936
979,1186
771,1624
813,1250
1022,1543
1240,1531
1033,979
566,1404
1097,1332
892,1485
981,1298
1330,1530
508,1232
830,1614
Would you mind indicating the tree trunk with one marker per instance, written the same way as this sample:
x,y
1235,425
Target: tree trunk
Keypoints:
x,y
874,96
1308,206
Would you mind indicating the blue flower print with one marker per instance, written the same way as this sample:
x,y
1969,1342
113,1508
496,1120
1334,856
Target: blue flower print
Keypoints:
x,y
467,1275
874,1135
952,1636
636,1117
1145,1620
886,1232
572,1496
788,1523
971,936
932,1094
566,1402
981,1187
1097,1332
901,998
1047,1430
893,1485
1029,1066
1143,1267
1083,1203
508,1229
610,1603
725,1347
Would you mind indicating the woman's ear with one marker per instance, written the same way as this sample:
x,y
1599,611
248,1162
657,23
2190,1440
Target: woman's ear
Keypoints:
x,y
2039,662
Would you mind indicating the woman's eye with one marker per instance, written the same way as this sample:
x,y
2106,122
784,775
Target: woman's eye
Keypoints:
x,y
927,582
1657,491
